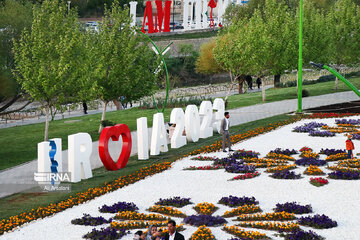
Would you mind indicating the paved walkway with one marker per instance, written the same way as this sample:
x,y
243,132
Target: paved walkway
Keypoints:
x,y
21,177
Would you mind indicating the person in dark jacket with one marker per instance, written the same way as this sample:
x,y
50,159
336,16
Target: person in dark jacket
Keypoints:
x,y
173,234
248,79
258,82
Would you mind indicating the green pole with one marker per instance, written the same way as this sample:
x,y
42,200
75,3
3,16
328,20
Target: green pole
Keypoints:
x,y
299,110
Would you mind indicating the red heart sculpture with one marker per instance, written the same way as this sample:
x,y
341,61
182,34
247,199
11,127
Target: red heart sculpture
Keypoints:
x,y
114,133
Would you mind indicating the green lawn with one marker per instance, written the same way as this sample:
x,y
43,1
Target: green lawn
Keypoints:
x,y
19,144
22,202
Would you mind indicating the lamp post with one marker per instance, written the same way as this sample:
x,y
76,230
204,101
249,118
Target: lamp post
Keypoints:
x,y
68,2
299,110
173,15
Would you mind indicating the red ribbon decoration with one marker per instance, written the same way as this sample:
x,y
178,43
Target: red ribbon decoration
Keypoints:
x,y
114,133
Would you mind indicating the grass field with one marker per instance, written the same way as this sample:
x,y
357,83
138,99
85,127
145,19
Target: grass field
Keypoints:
x,y
19,144
21,202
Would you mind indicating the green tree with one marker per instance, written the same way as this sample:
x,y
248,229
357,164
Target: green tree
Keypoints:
x,y
344,21
124,65
206,62
48,59
14,17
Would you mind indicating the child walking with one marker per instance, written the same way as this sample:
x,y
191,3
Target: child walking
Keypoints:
x,y
349,146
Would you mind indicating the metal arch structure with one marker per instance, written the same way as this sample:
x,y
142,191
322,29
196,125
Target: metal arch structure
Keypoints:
x,y
166,71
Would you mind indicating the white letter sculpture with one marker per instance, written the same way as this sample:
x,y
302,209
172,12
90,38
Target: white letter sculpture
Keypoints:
x,y
80,148
219,106
142,138
177,116
133,13
158,136
45,164
206,111
192,123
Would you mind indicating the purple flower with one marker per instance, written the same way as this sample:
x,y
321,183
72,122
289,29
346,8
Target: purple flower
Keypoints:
x,y
88,220
241,154
349,175
317,221
307,127
285,174
240,168
347,121
175,202
119,207
293,207
285,152
332,151
233,201
106,233
310,161
315,133
226,161
297,234
207,220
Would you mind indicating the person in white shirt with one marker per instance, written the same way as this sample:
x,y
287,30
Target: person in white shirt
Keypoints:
x,y
173,234
224,130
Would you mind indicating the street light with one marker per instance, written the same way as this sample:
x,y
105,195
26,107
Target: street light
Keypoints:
x,y
68,2
173,15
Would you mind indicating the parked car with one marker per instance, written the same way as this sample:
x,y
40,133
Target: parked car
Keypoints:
x,y
176,25
92,25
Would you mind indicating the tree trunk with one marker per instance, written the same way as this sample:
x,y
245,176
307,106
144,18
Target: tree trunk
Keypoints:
x,y
276,79
103,116
241,80
47,110
231,86
117,104
336,79
263,89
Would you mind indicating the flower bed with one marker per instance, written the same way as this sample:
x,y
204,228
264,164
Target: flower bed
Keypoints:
x,y
318,182
309,154
332,151
275,216
88,220
170,211
106,233
276,226
331,115
336,157
205,208
293,207
119,207
79,198
305,149
307,127
240,168
174,201
343,169
137,224
286,174
347,121
209,167
207,220
265,162
351,163
202,158
242,154
245,176
310,161
139,216
313,170
239,232
280,168
226,161
233,201
202,233
287,152
348,175
297,234
242,210
273,155
317,221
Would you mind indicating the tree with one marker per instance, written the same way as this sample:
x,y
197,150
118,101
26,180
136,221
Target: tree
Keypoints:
x,y
344,22
206,62
48,59
14,17
124,65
